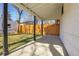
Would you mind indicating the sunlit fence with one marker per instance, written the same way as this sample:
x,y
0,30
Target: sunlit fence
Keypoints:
x,y
48,29
28,28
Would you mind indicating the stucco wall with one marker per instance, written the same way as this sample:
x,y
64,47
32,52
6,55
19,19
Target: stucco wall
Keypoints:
x,y
69,28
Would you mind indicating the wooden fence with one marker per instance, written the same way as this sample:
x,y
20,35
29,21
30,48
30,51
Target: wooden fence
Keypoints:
x,y
47,29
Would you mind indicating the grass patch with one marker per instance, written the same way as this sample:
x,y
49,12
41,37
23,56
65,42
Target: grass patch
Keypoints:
x,y
15,41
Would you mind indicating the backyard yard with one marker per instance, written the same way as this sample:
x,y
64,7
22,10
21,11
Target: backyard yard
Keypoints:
x,y
15,41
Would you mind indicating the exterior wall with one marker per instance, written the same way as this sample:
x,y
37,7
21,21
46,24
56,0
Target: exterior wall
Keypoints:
x,y
13,28
69,28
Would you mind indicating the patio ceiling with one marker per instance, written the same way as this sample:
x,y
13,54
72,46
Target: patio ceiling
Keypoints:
x,y
43,11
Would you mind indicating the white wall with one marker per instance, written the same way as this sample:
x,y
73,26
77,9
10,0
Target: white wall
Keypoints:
x,y
69,28
13,29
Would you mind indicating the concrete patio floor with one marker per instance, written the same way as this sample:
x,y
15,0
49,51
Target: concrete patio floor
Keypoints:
x,y
47,46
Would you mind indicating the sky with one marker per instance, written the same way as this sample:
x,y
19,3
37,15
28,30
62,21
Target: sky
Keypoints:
x,y
1,8
14,14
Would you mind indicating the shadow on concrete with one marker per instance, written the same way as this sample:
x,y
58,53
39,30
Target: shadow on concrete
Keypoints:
x,y
53,40
43,46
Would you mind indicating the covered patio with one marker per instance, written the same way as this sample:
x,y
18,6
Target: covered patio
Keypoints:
x,y
47,45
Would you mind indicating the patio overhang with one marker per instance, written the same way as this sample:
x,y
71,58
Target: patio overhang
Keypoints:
x,y
44,11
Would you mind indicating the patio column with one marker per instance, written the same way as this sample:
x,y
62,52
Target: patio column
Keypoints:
x,y
34,28
42,27
5,31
